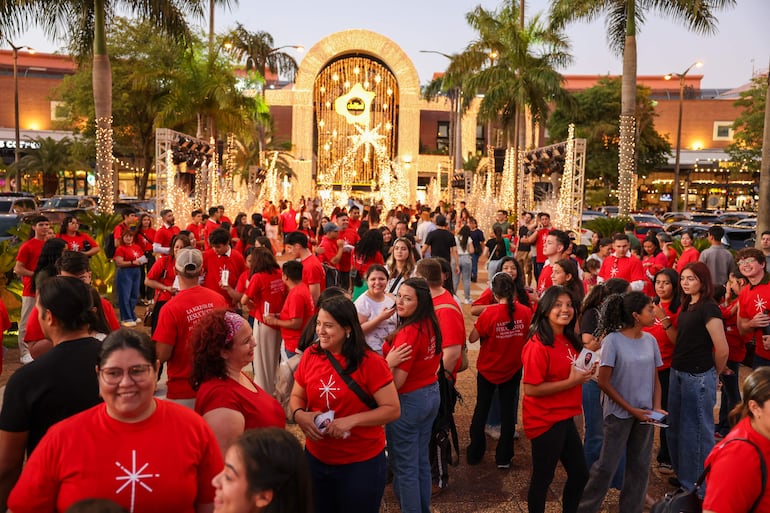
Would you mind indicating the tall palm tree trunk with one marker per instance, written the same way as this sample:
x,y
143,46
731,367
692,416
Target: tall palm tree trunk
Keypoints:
x,y
627,161
107,185
763,217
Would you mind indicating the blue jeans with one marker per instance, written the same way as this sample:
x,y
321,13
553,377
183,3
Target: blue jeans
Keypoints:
x,y
731,395
408,441
466,265
127,281
691,400
355,487
475,265
593,417
760,362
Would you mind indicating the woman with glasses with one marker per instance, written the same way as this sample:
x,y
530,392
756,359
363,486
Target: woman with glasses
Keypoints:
x,y
143,453
75,239
227,399
700,355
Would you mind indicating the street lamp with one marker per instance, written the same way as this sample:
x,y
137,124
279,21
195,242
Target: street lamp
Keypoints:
x,y
675,196
455,128
16,149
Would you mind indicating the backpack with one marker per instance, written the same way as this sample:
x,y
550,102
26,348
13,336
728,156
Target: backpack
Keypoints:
x,y
444,438
109,245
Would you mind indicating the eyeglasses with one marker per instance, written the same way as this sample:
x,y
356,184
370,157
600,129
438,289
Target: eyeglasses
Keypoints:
x,y
746,261
688,279
114,375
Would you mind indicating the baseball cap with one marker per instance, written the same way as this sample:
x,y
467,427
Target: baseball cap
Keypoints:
x,y
331,227
189,261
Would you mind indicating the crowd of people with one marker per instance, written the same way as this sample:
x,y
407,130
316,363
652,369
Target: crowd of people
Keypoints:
x,y
364,311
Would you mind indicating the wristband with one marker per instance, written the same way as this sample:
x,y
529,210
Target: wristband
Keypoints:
x,y
667,327
294,414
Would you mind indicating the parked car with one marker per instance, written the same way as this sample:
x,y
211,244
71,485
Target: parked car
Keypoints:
x,y
735,237
750,222
609,210
17,203
145,206
57,208
646,218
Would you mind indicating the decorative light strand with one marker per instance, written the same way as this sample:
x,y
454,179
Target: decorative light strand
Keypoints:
x,y
626,164
104,178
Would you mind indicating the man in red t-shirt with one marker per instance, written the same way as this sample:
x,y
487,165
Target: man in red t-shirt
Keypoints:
x,y
754,302
288,219
351,238
556,244
538,238
129,222
197,228
212,223
313,274
165,233
26,261
297,309
176,321
329,253
622,264
354,218
220,261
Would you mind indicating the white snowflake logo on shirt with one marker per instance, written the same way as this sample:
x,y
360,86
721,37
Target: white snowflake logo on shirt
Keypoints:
x,y
327,390
133,477
759,304
74,246
614,270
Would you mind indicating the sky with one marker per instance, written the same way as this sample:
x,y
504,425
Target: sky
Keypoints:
x,y
740,47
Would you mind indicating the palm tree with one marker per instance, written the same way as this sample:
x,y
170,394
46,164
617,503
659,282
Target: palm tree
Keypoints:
x,y
257,51
50,158
83,22
623,18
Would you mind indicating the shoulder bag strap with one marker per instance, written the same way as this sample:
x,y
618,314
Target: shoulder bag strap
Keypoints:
x,y
351,383
762,470
395,283
447,305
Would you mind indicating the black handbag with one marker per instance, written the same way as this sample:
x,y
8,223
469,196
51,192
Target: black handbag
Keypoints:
x,y
684,501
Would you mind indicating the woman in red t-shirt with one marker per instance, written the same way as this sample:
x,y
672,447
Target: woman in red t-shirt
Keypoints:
x,y
145,237
552,397
502,329
653,261
689,253
162,277
76,240
418,339
734,482
524,295
304,227
344,437
230,402
664,330
129,257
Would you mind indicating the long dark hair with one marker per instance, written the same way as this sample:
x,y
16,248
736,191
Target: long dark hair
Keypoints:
x,y
651,238
542,327
464,234
369,245
504,287
701,271
500,246
46,263
308,335
575,284
424,311
518,282
354,346
263,261
672,275
617,312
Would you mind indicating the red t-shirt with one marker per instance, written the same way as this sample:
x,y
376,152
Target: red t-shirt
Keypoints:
x,y
665,345
117,233
78,241
451,322
35,331
213,265
175,322
735,481
628,268
259,409
752,300
298,305
199,232
163,270
651,265
28,254
330,250
129,253
288,221
422,367
325,391
350,237
485,298
544,364
542,235
671,256
208,227
163,463
266,287
500,354
145,238
545,281
164,235
363,265
736,343
313,272
688,255
354,224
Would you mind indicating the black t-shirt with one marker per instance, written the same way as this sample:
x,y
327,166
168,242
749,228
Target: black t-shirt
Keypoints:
x,y
589,321
441,243
57,385
477,236
523,232
693,351
496,253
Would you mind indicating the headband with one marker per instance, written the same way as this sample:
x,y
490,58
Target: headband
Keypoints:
x,y
233,322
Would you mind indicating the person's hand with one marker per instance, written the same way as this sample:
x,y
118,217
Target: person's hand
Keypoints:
x,y
658,311
320,251
594,345
269,319
399,355
340,243
457,270
641,414
760,320
340,428
306,422
386,313
579,377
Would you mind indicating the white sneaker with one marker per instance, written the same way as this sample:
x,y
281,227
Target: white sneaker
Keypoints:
x,y
492,432
128,324
468,301
26,358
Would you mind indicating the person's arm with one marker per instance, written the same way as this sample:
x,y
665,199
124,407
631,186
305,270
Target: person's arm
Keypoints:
x,y
576,377
746,326
233,293
605,375
121,262
315,291
369,324
388,409
20,270
226,424
12,449
425,247
291,324
590,342
474,336
164,351
340,250
454,258
530,239
716,329
94,248
450,355
399,377
154,284
477,309
38,348
301,416
157,248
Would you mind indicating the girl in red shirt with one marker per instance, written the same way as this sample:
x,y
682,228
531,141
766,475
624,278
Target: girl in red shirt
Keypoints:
x,y
689,253
345,441
418,339
145,237
76,240
129,257
552,397
653,261
502,329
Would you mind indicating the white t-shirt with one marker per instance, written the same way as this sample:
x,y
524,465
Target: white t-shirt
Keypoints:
x,y
369,308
